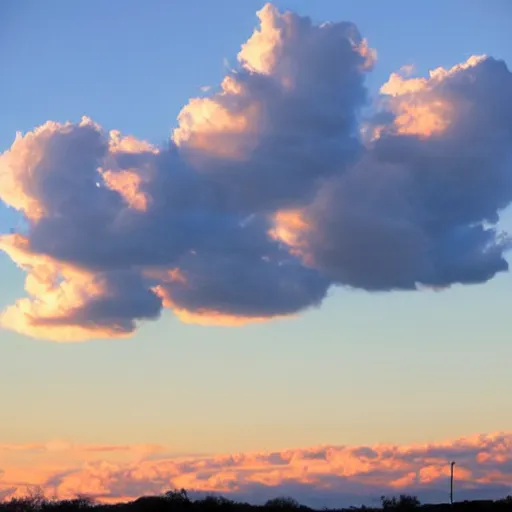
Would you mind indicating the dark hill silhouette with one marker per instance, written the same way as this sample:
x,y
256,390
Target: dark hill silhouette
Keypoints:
x,y
179,501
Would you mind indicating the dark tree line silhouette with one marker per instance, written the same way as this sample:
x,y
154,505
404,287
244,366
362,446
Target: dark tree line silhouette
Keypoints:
x,y
179,501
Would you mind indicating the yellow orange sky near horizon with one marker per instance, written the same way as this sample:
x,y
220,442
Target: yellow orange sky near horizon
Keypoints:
x,y
121,472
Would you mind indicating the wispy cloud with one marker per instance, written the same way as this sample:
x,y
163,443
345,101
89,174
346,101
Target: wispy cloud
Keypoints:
x,y
269,192
316,476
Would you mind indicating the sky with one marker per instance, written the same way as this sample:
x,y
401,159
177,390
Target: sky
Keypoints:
x,y
264,236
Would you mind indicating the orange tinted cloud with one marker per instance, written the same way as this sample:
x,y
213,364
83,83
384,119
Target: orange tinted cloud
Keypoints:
x,y
288,225
322,475
27,154
128,144
206,125
127,184
56,292
419,104
214,318
206,317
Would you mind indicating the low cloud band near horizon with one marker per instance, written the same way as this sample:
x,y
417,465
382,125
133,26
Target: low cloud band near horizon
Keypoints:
x,y
319,476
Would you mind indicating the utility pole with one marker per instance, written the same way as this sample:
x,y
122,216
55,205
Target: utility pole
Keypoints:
x,y
451,482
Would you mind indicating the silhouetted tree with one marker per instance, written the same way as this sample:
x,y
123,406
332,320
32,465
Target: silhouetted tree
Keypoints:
x,y
404,502
178,497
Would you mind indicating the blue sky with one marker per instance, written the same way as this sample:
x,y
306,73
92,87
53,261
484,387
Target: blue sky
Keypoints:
x,y
364,368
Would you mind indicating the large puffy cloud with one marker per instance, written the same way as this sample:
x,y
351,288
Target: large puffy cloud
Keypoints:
x,y
286,119
317,476
421,204
269,191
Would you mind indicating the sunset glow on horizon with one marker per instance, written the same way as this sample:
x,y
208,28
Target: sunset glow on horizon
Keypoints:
x,y
333,475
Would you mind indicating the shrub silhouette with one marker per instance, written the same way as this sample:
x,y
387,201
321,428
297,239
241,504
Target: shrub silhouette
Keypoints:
x,y
403,502
214,502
